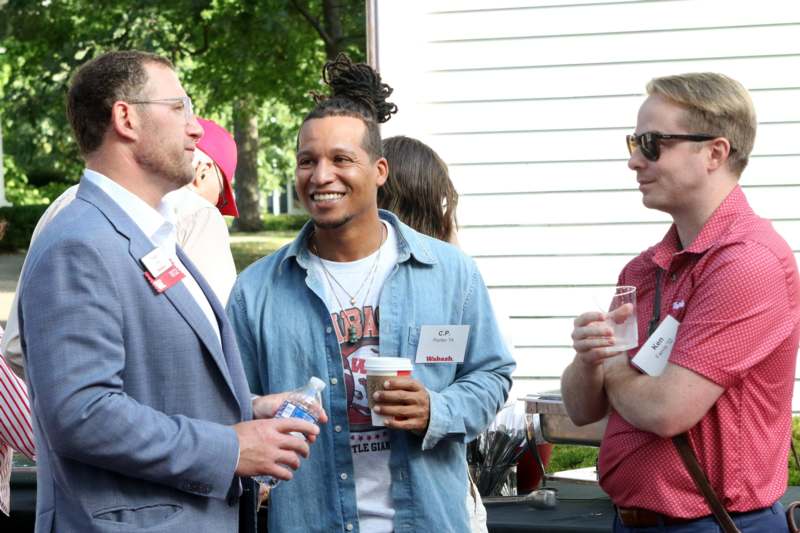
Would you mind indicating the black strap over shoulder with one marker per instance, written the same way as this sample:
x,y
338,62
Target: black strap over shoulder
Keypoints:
x,y
655,317
689,459
681,441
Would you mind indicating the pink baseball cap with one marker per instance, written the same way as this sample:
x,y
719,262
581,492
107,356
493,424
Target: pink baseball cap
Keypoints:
x,y
219,145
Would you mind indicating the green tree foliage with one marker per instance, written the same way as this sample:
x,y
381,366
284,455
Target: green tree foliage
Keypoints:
x,y
267,52
43,41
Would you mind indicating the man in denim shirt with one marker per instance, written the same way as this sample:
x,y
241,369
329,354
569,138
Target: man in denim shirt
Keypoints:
x,y
357,282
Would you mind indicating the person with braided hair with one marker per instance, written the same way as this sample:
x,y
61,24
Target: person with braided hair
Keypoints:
x,y
359,283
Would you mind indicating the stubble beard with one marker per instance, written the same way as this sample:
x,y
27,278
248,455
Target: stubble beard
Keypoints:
x,y
325,224
336,224
175,170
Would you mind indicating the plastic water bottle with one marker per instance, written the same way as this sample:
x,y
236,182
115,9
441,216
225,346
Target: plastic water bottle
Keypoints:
x,y
302,403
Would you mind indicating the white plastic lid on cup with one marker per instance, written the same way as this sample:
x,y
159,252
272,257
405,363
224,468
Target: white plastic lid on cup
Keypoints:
x,y
381,365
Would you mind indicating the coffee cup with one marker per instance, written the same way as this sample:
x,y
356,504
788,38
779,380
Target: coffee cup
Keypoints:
x,y
379,369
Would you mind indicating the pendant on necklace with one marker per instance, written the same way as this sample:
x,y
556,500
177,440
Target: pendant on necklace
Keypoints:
x,y
353,300
352,336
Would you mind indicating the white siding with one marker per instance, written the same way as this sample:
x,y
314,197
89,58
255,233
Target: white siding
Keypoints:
x,y
529,101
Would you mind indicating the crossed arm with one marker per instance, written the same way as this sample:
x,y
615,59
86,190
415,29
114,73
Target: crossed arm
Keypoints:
x,y
595,381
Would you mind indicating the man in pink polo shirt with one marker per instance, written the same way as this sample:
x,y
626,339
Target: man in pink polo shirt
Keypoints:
x,y
731,282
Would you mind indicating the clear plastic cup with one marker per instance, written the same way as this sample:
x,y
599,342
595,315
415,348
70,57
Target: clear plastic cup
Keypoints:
x,y
621,316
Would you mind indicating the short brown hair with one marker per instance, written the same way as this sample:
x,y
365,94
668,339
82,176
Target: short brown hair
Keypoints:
x,y
418,190
716,105
100,82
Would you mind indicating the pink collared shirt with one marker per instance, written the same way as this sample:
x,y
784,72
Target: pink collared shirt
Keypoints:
x,y
736,292
16,432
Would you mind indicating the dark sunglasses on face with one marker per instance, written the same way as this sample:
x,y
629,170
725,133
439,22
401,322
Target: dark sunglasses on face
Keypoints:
x,y
649,142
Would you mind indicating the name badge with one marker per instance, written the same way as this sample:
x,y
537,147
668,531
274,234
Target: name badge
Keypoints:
x,y
442,344
156,262
167,279
653,356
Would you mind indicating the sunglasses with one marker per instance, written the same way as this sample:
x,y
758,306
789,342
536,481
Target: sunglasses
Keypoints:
x,y
649,142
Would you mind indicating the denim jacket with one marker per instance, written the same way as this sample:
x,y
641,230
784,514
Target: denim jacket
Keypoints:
x,y
285,336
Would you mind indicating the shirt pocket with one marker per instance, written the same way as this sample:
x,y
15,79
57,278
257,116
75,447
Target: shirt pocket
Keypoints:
x,y
435,376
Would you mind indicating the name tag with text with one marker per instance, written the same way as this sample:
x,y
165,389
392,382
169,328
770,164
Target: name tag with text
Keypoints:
x,y
442,344
156,262
653,356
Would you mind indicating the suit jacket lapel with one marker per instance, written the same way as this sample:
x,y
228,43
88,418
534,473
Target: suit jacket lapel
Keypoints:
x,y
139,246
230,350
217,348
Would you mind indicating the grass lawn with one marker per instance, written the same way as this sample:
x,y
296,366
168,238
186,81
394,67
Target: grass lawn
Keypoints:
x,y
248,247
567,457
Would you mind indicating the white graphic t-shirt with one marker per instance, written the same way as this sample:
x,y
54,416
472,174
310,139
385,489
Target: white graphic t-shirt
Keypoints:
x,y
357,328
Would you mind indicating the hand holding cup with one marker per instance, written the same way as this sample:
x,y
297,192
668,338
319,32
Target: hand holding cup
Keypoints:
x,y
598,336
404,395
621,317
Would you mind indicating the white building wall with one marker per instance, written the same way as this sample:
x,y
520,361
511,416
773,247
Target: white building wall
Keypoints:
x,y
529,102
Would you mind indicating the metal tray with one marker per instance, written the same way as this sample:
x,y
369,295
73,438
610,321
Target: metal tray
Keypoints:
x,y
556,425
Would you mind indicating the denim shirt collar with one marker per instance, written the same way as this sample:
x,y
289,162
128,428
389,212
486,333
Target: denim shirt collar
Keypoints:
x,y
409,243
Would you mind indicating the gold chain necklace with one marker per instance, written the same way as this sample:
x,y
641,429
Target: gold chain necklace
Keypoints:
x,y
352,333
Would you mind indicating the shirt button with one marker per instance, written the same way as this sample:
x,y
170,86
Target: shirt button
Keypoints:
x,y
674,277
349,527
328,329
337,429
334,381
343,475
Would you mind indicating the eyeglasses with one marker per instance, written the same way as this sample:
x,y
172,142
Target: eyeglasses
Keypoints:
x,y
185,101
649,142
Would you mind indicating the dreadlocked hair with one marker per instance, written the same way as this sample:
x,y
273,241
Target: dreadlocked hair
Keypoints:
x,y
357,91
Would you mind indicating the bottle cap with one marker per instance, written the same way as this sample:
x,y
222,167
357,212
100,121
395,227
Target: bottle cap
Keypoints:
x,y
316,383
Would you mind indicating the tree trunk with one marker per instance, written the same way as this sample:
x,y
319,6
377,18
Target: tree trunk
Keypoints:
x,y
333,27
248,194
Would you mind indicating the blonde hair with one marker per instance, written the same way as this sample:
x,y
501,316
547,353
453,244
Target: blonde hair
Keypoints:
x,y
716,105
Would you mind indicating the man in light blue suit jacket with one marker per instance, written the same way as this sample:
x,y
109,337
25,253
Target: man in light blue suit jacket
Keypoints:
x,y
142,410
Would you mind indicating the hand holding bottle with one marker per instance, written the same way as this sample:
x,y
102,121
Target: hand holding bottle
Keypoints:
x,y
271,447
303,404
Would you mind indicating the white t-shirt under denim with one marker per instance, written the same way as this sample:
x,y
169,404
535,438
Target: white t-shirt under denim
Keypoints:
x,y
363,279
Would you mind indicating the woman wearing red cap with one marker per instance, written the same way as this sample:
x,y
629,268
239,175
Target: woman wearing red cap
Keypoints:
x,y
201,229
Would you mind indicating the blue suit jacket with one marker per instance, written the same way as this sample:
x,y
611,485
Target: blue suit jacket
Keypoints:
x,y
133,397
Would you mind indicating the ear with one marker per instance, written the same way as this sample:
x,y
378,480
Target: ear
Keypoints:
x,y
719,150
382,166
124,120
